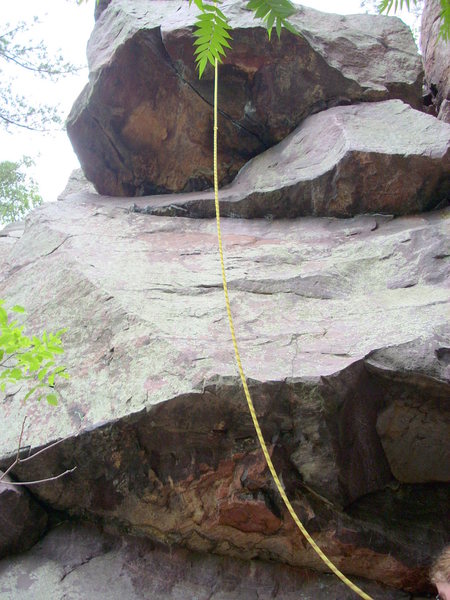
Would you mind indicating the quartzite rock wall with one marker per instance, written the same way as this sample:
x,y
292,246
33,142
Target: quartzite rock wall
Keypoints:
x,y
436,58
340,325
375,157
143,123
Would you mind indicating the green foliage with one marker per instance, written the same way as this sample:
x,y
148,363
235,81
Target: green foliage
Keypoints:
x,y
211,31
19,52
29,360
18,191
387,5
212,27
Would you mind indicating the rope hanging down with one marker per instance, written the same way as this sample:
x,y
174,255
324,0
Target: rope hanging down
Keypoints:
x,y
262,443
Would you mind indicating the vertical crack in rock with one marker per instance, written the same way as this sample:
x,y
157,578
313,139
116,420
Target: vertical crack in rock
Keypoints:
x,y
200,95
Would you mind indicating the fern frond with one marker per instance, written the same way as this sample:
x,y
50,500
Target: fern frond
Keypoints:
x,y
273,12
385,6
444,31
212,33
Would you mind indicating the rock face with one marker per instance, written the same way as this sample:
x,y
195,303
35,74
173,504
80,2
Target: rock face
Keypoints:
x,y
22,521
8,237
81,562
340,328
341,323
436,58
77,183
382,157
143,124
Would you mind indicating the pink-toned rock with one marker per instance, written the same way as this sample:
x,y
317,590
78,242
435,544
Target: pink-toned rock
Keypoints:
x,y
143,124
436,58
340,326
379,157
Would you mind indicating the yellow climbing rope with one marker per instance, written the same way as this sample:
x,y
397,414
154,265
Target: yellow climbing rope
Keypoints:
x,y
286,501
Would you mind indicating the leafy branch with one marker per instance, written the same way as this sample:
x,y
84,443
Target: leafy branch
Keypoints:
x,y
212,27
29,360
26,55
444,32
18,191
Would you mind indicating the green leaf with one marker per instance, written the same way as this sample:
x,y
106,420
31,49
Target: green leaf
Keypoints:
x,y
278,27
16,373
18,309
31,392
201,66
52,399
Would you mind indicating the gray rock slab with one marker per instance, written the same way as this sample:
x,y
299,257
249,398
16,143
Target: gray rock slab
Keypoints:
x,y
143,124
154,415
79,562
381,157
76,183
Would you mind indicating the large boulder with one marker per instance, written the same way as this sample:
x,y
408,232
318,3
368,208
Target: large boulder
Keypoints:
x,y
436,58
143,124
380,157
154,414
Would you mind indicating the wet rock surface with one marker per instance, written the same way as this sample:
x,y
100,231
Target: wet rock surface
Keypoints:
x,y
143,124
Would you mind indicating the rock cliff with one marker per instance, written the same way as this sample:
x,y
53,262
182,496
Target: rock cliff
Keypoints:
x,y
436,59
342,322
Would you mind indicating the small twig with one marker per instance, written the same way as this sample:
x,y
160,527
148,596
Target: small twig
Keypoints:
x,y
39,480
22,460
19,460
20,439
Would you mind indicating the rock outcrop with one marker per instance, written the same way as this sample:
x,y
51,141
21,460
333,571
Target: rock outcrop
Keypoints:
x,y
22,520
436,58
341,323
331,318
143,124
81,562
380,157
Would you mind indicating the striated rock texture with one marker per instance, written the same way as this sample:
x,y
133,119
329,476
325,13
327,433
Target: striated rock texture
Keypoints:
x,y
340,325
78,561
22,520
377,157
436,58
143,123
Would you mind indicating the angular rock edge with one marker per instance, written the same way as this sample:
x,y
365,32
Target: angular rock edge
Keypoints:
x,y
143,124
381,157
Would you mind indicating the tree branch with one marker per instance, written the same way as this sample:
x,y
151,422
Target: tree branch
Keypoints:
x,y
38,69
19,460
18,124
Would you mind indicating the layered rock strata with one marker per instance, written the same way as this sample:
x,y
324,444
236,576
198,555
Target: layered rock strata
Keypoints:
x,y
332,319
379,157
79,561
